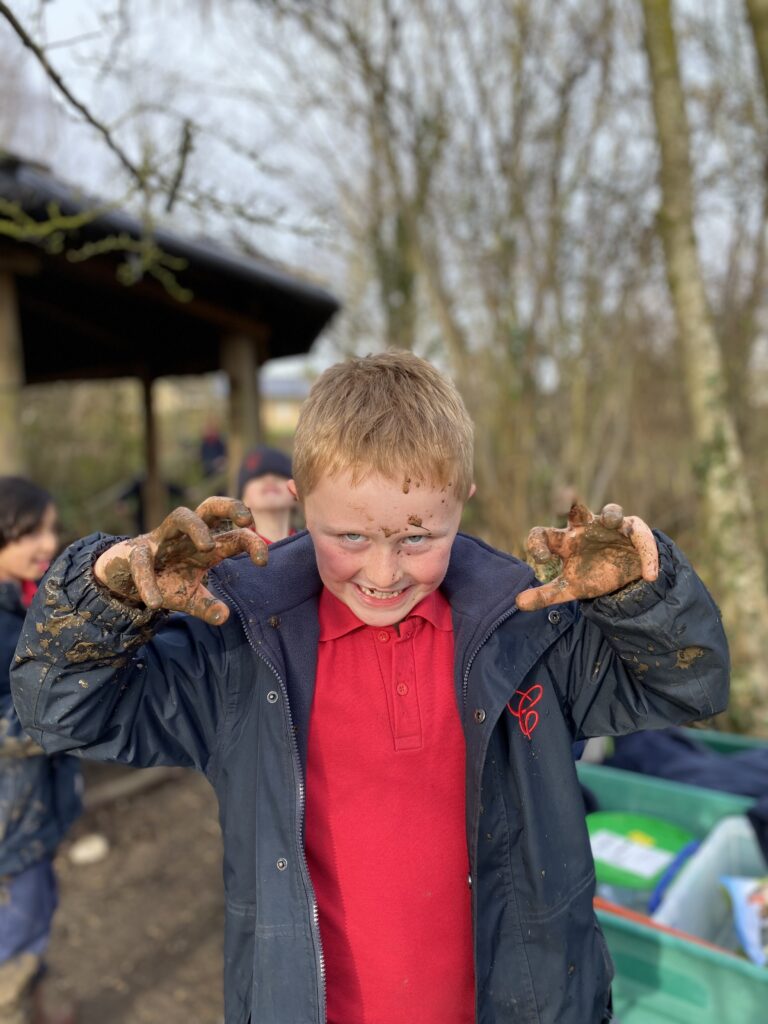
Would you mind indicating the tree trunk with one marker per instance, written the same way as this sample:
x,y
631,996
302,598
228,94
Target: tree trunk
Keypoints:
x,y
735,569
239,360
757,13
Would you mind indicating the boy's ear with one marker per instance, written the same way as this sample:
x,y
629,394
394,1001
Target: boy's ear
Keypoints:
x,y
292,489
472,490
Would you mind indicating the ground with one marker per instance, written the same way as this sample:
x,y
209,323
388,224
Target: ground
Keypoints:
x,y
138,936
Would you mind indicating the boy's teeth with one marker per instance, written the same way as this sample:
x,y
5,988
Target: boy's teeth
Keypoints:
x,y
381,594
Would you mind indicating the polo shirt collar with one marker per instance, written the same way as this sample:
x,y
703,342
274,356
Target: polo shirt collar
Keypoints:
x,y
336,619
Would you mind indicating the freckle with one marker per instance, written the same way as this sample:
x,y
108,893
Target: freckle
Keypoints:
x,y
407,485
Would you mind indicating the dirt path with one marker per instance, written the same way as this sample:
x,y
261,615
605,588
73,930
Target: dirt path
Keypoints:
x,y
138,936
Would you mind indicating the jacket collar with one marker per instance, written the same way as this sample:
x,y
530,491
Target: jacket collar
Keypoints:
x,y
278,606
480,583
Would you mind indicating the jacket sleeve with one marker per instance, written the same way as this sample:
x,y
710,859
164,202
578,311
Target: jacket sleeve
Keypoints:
x,y
649,656
96,676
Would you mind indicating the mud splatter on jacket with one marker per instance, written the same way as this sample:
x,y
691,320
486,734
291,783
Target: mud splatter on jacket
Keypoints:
x,y
234,702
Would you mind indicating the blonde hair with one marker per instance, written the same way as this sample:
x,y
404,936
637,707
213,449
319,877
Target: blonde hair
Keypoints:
x,y
393,414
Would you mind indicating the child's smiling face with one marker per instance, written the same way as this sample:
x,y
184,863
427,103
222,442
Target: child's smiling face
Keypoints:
x,y
381,545
28,557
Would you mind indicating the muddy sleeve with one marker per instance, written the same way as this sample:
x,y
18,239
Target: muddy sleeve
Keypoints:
x,y
92,675
650,656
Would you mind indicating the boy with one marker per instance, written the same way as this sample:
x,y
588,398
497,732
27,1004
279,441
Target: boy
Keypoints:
x,y
262,485
388,734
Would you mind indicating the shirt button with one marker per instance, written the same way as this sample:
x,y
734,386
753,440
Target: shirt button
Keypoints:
x,y
479,715
383,636
554,618
402,689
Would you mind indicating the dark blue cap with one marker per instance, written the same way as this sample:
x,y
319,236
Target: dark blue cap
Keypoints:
x,y
260,461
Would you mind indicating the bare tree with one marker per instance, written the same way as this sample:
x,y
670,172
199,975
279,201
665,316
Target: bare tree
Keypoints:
x,y
757,12
728,516
152,148
474,173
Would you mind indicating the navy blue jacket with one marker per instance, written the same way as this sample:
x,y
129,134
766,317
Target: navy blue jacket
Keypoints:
x,y
39,796
119,683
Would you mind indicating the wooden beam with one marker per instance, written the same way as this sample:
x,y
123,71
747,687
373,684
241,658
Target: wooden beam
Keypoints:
x,y
239,359
153,497
11,378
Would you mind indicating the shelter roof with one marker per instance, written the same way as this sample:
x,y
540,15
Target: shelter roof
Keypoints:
x,y
78,321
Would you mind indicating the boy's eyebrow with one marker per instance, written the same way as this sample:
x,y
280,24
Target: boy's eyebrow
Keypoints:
x,y
413,522
407,530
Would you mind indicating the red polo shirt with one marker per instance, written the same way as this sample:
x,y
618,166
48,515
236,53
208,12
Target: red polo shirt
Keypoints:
x,y
385,828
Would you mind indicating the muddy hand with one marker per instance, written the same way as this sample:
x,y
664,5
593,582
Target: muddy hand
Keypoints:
x,y
167,567
600,554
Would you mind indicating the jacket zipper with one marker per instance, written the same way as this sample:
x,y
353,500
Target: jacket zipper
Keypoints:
x,y
320,956
465,680
475,824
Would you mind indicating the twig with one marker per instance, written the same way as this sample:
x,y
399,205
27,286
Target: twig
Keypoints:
x,y
54,76
184,150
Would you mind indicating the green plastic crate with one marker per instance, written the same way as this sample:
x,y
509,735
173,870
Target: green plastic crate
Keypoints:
x,y
692,807
664,979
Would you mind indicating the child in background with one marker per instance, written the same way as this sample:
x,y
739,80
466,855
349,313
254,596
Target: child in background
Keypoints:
x,y
39,796
262,485
387,718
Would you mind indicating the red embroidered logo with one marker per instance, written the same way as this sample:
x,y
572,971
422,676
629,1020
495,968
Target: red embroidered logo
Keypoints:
x,y
522,707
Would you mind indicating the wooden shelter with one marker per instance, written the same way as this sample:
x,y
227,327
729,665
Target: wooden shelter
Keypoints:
x,y
65,319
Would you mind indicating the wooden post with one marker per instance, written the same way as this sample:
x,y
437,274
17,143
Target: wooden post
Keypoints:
x,y
11,378
153,495
239,361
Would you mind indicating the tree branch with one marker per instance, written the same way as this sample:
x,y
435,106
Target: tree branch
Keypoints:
x,y
54,76
184,150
